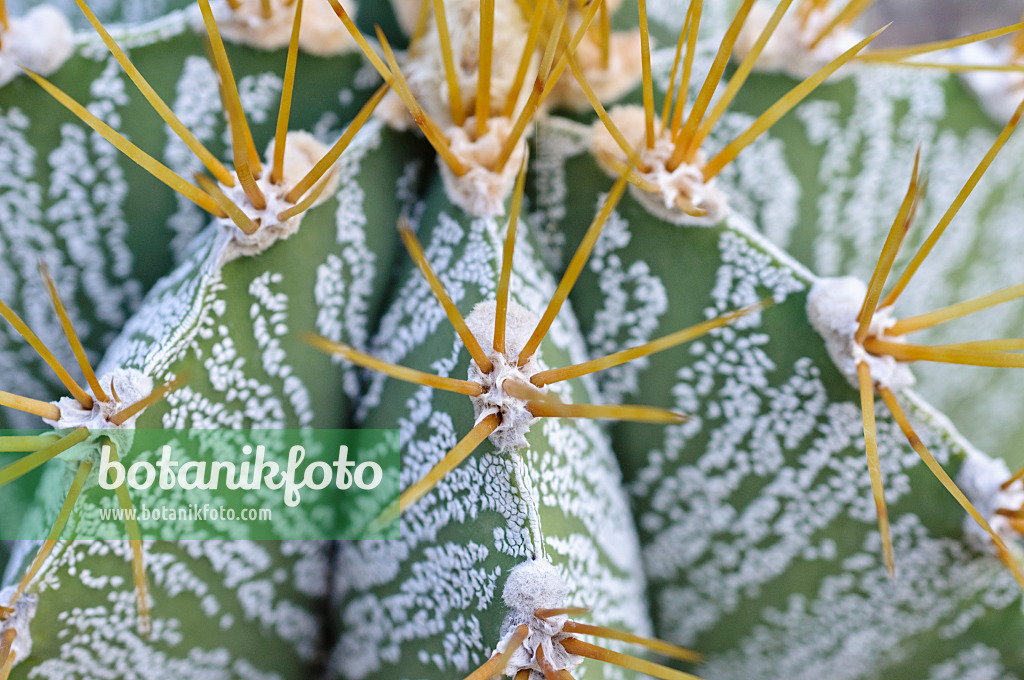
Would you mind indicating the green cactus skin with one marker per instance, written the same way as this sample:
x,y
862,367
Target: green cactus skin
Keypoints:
x,y
182,329
760,542
560,498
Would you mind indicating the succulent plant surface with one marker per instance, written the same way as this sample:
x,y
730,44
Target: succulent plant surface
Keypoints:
x,y
676,308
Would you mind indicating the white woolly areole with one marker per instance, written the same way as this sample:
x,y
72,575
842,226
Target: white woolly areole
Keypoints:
x,y
41,41
680,190
391,110
124,387
321,32
301,153
1000,92
980,478
24,612
789,48
515,419
622,74
832,308
481,192
530,586
424,65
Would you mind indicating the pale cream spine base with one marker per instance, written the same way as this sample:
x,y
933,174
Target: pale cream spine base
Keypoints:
x,y
321,33
532,585
482,190
679,188
408,13
999,92
129,386
622,75
423,66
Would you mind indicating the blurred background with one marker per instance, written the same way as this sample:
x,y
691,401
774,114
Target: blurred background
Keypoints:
x,y
925,20
915,20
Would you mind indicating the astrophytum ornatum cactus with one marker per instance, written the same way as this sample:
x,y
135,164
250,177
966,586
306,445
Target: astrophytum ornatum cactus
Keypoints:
x,y
627,278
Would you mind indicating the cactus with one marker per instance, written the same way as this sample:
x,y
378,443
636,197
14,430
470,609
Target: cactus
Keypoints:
x,y
632,328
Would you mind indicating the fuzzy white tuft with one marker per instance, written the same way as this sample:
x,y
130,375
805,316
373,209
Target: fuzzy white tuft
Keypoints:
x,y
679,190
998,91
832,308
515,419
482,190
41,41
424,69
302,151
129,386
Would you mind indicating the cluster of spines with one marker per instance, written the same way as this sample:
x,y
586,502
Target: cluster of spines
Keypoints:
x,y
44,448
993,353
